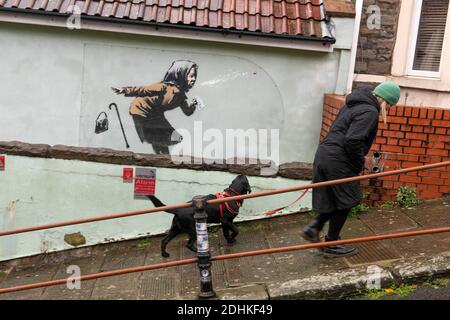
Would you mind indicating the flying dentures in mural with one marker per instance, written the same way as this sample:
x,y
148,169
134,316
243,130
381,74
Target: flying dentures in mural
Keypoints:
x,y
151,102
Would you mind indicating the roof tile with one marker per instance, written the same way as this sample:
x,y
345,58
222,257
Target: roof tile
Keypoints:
x,y
26,4
293,17
134,11
198,18
215,5
93,8
99,9
266,7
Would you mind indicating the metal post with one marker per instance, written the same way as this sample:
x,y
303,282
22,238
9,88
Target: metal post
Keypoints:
x,y
203,254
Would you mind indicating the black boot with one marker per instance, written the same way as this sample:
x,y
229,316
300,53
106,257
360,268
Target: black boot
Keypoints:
x,y
311,231
338,250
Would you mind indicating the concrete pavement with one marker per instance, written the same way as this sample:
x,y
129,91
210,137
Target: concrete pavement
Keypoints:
x,y
292,275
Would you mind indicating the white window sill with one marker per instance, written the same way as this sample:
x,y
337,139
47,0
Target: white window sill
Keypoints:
x,y
421,82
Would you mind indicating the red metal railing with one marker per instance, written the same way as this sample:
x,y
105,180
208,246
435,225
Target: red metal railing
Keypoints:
x,y
223,257
227,256
221,200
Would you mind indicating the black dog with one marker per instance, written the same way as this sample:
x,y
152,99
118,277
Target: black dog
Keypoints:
x,y
223,213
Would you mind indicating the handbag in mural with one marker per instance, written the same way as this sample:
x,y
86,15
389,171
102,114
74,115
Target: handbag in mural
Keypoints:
x,y
101,124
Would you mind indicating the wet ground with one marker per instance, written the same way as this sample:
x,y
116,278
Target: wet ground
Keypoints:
x,y
182,282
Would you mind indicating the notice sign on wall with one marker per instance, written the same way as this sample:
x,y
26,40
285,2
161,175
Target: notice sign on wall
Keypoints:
x,y
144,182
127,175
2,163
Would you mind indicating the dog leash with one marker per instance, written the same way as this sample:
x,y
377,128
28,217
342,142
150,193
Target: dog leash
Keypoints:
x,y
271,212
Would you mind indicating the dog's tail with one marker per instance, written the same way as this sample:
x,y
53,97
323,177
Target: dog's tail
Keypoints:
x,y
157,203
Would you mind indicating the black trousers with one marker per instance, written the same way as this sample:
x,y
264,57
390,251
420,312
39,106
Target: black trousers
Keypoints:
x,y
337,220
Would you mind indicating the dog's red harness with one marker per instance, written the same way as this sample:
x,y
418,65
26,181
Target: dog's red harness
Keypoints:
x,y
225,194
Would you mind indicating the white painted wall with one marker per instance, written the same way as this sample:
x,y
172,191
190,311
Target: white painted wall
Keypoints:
x,y
39,191
53,83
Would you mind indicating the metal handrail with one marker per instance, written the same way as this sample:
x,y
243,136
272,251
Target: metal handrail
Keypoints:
x,y
223,257
221,200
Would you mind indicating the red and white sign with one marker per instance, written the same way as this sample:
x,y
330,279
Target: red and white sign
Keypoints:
x,y
143,186
2,163
127,175
144,182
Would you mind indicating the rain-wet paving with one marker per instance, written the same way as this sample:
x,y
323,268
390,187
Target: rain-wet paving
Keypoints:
x,y
183,281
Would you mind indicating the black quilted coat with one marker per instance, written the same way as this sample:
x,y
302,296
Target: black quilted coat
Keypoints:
x,y
341,153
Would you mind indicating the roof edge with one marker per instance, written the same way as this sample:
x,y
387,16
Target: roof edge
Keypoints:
x,y
115,21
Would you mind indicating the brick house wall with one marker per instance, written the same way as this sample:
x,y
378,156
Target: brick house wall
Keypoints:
x,y
413,136
376,46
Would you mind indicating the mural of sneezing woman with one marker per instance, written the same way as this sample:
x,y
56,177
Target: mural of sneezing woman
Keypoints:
x,y
151,102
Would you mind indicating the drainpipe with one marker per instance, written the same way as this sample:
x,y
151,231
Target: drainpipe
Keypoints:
x,y
351,73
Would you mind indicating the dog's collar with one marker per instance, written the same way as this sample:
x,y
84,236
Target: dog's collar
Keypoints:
x,y
231,189
225,194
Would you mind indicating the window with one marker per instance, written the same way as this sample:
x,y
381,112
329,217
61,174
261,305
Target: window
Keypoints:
x,y
429,22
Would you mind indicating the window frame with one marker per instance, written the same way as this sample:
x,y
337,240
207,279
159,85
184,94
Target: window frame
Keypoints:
x,y
415,21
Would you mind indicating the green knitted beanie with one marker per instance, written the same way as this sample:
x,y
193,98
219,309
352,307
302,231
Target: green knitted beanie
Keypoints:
x,y
389,91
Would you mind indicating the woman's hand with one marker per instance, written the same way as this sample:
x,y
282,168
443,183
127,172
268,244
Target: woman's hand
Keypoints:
x,y
198,103
118,90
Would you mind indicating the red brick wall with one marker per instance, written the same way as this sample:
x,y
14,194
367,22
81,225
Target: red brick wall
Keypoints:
x,y
413,136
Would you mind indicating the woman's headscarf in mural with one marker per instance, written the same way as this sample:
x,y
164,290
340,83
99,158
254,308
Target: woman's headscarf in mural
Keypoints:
x,y
177,73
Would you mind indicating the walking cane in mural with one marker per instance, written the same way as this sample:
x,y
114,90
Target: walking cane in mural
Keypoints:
x,y
120,121
151,102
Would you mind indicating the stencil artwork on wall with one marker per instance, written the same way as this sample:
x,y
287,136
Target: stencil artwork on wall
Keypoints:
x,y
189,105
150,103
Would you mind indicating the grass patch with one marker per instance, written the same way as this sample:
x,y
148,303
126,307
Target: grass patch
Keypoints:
x,y
388,205
404,290
401,291
437,283
362,207
251,228
375,294
407,197
144,243
443,282
357,210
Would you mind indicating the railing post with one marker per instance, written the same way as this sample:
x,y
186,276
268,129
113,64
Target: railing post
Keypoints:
x,y
203,254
